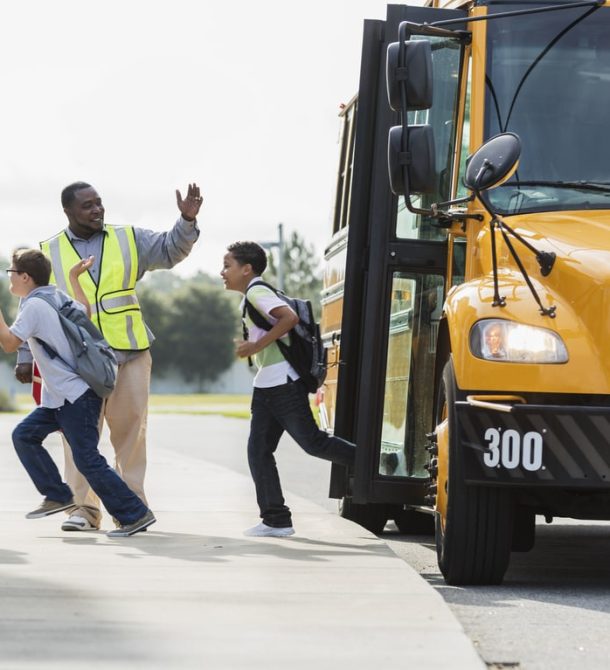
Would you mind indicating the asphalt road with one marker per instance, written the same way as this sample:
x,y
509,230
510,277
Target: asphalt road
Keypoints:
x,y
551,613
553,609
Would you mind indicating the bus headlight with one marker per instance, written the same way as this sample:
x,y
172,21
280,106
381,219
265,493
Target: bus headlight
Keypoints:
x,y
501,340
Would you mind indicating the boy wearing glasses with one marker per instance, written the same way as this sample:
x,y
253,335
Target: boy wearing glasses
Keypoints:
x,y
67,402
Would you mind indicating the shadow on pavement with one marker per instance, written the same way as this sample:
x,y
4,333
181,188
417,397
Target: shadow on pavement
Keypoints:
x,y
208,548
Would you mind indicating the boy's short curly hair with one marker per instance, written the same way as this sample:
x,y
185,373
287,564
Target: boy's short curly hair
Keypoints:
x,y
34,263
249,252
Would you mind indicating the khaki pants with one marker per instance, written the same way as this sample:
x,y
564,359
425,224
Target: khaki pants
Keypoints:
x,y
126,412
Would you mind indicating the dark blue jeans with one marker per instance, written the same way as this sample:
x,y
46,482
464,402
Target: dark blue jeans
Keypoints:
x,y
79,423
275,410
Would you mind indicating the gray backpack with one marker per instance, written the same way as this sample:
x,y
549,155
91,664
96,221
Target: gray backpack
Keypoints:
x,y
95,361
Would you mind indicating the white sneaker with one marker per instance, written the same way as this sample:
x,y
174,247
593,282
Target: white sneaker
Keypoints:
x,y
75,522
263,530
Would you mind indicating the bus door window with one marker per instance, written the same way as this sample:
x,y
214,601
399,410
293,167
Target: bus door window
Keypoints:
x,y
462,191
416,305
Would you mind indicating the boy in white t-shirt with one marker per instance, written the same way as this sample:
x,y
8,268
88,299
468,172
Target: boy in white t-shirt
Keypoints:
x,y
280,401
67,402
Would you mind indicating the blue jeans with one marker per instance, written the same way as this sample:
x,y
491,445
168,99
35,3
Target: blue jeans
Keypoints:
x,y
79,423
275,410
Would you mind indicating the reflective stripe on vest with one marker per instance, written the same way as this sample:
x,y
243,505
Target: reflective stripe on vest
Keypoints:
x,y
115,309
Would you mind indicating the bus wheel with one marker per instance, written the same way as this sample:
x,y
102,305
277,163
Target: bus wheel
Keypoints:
x,y
473,523
372,516
524,529
410,522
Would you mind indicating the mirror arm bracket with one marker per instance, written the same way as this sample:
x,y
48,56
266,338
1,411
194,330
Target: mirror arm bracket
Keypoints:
x,y
446,219
408,28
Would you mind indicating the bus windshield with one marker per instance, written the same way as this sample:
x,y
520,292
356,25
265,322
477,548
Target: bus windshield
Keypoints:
x,y
548,81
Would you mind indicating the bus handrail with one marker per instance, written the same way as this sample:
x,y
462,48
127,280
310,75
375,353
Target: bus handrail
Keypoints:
x,y
495,402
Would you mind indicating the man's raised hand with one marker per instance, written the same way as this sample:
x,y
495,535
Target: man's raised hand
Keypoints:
x,y
189,207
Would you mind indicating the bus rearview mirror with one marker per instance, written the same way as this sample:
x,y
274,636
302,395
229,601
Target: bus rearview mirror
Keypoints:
x,y
416,73
419,160
493,163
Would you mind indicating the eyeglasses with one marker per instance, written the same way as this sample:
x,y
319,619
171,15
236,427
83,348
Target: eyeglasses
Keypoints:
x,y
19,272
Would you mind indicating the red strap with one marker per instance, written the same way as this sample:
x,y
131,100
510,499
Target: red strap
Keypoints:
x,y
36,384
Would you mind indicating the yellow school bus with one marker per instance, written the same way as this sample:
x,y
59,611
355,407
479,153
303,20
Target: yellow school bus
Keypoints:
x,y
464,305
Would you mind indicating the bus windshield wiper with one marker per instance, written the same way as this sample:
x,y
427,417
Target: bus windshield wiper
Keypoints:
x,y
601,186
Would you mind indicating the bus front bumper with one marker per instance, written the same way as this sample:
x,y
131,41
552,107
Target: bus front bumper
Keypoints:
x,y
535,446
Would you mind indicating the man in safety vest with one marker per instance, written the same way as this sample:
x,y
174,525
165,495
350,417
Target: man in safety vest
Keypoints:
x,y
122,255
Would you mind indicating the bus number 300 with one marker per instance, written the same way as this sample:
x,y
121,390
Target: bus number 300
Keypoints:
x,y
511,451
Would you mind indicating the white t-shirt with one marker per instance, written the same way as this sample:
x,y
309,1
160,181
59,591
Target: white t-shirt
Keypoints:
x,y
273,368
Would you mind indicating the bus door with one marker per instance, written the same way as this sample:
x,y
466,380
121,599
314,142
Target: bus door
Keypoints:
x,y
404,287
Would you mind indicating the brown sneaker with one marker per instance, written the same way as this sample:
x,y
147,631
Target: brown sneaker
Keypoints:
x,y
48,507
131,528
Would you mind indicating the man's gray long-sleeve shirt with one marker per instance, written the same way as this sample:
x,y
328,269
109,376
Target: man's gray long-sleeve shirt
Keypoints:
x,y
156,251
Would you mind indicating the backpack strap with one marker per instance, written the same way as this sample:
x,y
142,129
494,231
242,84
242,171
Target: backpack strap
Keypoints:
x,y
255,316
50,352
259,320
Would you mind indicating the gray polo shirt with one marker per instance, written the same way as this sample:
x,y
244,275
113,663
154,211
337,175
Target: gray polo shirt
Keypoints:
x,y
35,319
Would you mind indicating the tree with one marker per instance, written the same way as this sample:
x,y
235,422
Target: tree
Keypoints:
x,y
194,322
166,281
301,271
204,324
157,313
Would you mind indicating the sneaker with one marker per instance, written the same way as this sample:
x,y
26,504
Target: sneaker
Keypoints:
x,y
76,522
117,524
131,528
263,530
48,507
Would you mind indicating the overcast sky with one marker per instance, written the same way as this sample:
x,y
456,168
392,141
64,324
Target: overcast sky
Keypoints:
x,y
140,98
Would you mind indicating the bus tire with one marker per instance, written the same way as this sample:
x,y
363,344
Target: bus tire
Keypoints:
x,y
372,516
524,529
410,522
474,527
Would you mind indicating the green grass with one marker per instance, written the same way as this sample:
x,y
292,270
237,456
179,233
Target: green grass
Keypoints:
x,y
231,406
182,400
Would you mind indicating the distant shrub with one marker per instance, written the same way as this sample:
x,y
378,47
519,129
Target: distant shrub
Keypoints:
x,y
7,403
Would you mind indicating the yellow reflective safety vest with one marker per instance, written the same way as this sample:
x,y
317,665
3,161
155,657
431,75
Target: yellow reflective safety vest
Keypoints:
x,y
115,309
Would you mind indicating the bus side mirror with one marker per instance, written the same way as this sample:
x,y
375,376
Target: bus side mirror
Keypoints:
x,y
416,73
493,163
419,161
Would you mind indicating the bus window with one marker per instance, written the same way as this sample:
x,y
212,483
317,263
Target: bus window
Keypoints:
x,y
346,162
416,307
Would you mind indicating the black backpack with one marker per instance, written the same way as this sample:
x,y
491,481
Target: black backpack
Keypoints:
x,y
306,352
95,361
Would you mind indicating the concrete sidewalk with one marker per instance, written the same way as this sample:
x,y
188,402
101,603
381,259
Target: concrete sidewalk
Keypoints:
x,y
193,592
